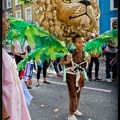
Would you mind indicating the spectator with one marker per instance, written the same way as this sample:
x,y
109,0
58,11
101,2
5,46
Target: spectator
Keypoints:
x,y
19,51
45,66
111,51
94,59
13,100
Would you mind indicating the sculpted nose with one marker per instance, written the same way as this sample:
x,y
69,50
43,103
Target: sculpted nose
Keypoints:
x,y
85,2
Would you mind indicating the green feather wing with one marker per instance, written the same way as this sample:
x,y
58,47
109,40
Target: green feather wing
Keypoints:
x,y
94,46
45,44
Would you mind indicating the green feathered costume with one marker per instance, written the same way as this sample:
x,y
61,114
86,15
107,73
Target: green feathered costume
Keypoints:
x,y
94,46
45,44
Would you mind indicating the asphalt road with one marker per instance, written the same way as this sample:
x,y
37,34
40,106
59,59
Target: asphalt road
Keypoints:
x,y
99,100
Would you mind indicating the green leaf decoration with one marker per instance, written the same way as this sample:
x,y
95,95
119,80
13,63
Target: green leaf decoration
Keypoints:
x,y
45,44
94,46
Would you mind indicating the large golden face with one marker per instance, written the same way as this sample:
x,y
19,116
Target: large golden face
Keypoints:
x,y
66,18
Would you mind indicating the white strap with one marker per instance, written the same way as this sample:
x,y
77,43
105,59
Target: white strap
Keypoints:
x,y
77,73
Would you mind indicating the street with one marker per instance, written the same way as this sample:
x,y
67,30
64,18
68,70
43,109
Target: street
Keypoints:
x,y
99,100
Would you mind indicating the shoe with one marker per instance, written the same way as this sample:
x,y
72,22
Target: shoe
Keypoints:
x,y
90,79
61,72
108,80
34,71
37,85
29,87
46,82
72,117
97,79
59,75
114,79
78,113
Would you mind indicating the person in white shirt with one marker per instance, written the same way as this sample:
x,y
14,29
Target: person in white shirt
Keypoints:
x,y
19,51
111,51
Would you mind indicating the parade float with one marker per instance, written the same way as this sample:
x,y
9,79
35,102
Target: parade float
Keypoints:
x,y
66,18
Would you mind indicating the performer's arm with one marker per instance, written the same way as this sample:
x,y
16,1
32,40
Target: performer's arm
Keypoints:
x,y
87,59
65,61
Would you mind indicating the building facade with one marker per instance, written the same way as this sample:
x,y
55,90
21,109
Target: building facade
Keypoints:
x,y
7,6
108,9
109,14
20,11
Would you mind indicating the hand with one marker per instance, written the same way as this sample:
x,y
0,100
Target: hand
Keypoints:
x,y
68,58
27,82
87,59
22,56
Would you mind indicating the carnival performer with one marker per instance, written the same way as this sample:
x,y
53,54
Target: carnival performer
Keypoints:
x,y
78,56
13,100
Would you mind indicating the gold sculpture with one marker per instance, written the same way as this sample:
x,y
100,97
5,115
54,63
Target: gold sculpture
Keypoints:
x,y
66,18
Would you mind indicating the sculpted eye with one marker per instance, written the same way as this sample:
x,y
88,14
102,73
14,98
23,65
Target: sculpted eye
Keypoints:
x,y
67,1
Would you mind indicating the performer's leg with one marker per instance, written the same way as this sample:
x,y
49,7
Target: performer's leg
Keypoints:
x,y
72,96
78,98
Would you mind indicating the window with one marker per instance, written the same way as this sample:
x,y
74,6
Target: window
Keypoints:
x,y
115,19
17,2
18,14
113,4
9,4
28,14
